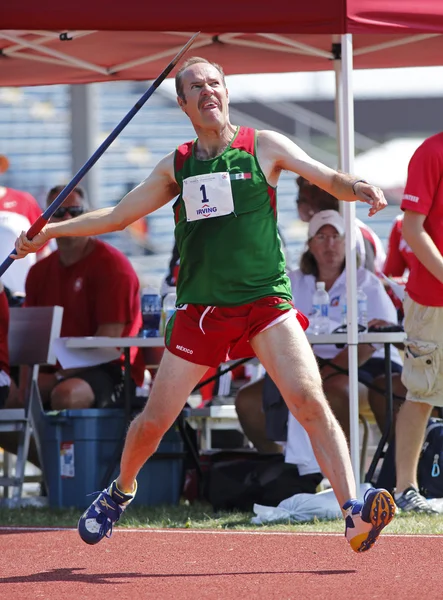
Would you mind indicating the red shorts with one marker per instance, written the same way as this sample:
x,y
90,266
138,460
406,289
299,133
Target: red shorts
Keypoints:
x,y
210,335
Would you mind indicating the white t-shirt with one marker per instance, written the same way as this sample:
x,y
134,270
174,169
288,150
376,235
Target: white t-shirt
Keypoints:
x,y
380,306
11,226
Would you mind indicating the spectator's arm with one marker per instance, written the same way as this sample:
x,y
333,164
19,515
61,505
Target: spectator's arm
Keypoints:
x,y
422,244
395,265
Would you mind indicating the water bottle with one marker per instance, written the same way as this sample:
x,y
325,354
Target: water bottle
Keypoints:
x,y
362,302
168,309
344,309
151,306
320,307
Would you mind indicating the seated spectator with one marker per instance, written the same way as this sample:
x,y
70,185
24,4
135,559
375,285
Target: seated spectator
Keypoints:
x,y
324,260
5,380
312,199
99,291
18,211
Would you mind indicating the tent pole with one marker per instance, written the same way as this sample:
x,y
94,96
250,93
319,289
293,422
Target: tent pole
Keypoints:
x,y
346,141
84,135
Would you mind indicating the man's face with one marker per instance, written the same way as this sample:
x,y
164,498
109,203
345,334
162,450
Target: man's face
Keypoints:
x,y
72,207
205,96
328,248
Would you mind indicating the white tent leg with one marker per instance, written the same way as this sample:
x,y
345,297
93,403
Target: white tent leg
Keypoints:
x,y
346,140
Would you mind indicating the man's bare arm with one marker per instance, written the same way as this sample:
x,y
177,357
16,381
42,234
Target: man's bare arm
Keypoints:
x,y
155,191
276,152
422,244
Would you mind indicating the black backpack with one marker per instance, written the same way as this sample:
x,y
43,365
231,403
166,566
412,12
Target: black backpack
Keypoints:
x,y
236,481
430,464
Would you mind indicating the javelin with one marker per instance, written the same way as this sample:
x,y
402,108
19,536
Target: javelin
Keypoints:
x,y
47,214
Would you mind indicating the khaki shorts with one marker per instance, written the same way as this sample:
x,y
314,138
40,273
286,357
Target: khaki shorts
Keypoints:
x,y
423,361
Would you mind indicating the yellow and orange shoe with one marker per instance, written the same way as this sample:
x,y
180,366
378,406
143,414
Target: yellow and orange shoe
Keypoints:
x,y
366,520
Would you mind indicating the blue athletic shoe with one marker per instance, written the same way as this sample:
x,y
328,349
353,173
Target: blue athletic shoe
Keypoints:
x,y
365,520
97,521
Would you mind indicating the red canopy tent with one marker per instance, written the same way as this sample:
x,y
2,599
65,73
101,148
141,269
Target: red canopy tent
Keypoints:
x,y
92,40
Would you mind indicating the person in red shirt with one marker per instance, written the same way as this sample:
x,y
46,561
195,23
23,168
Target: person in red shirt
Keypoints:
x,y
422,375
5,380
398,262
99,291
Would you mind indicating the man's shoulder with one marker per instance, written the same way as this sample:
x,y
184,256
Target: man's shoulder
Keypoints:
x,y
105,253
185,148
431,146
105,249
434,140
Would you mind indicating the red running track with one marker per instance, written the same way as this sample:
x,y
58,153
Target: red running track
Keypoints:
x,y
216,565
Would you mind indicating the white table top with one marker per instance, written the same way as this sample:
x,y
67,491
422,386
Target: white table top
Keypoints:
x,y
114,342
158,342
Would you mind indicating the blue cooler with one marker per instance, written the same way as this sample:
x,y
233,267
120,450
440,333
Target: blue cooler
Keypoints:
x,y
78,446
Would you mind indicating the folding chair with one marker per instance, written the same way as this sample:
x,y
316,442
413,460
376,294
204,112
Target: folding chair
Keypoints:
x,y
31,333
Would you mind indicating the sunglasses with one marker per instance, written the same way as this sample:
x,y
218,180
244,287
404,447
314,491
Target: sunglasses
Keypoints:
x,y
322,238
74,211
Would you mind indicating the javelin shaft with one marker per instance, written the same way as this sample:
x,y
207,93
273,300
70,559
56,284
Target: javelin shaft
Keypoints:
x,y
47,214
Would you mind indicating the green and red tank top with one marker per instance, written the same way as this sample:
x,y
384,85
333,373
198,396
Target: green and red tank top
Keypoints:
x,y
226,227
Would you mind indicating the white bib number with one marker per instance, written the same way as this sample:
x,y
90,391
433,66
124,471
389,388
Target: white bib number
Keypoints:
x,y
208,196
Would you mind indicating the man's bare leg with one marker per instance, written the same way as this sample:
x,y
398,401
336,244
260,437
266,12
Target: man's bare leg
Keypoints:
x,y
175,380
410,428
286,354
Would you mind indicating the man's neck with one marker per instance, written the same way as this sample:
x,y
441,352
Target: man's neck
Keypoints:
x,y
72,250
213,142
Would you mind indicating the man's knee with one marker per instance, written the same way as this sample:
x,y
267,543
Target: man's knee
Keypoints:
x,y
411,410
152,426
72,394
311,404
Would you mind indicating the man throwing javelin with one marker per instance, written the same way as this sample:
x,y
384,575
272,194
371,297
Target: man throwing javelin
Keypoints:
x,y
233,296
